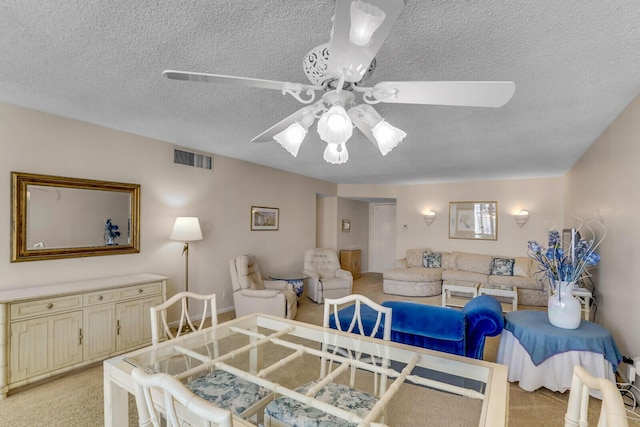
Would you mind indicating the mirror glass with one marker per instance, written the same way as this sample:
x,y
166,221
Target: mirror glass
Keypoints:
x,y
59,217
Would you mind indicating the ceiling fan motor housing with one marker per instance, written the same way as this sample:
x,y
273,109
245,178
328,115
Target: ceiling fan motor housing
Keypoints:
x,y
315,66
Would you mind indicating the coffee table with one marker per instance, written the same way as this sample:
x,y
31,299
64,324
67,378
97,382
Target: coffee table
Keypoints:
x,y
451,300
503,291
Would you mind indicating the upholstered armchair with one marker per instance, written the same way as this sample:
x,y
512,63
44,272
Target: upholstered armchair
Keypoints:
x,y
252,294
325,278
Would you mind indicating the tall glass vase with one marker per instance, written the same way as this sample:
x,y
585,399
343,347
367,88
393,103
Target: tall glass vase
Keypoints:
x,y
564,310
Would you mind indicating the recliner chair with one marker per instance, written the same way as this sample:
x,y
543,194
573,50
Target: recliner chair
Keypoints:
x,y
325,278
252,294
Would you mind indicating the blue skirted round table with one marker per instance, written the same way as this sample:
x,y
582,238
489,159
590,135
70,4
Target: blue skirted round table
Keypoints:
x,y
539,354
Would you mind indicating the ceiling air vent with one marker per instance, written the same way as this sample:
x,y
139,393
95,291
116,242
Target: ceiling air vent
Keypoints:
x,y
192,159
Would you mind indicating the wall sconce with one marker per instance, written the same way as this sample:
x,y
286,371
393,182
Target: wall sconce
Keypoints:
x,y
430,217
522,217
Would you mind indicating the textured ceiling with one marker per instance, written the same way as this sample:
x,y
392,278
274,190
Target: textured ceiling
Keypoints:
x,y
575,64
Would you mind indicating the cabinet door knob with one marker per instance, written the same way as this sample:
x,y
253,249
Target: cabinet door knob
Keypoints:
x,y
139,291
100,298
50,306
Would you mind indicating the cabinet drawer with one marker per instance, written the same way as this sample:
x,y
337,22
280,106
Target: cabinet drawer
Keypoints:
x,y
44,306
101,297
139,291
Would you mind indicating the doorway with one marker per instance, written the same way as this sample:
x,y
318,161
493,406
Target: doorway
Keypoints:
x,y
382,237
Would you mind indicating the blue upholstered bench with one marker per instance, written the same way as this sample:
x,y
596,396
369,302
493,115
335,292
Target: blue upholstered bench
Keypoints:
x,y
445,329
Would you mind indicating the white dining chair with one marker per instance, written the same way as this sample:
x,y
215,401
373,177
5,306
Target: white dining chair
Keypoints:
x,y
179,405
160,327
222,388
286,411
612,411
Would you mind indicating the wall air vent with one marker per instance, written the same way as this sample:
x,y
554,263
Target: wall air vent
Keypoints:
x,y
192,159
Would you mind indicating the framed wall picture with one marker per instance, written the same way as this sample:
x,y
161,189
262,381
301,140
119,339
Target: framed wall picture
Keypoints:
x,y
264,219
346,225
473,220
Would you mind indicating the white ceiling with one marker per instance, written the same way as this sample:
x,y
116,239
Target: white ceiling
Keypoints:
x,y
575,64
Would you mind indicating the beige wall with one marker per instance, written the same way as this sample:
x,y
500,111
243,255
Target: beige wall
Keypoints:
x,y
41,143
604,184
542,197
326,222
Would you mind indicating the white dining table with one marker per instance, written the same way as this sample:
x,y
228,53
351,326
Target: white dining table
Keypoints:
x,y
253,336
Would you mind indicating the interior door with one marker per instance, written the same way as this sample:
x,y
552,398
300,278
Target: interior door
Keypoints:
x,y
382,237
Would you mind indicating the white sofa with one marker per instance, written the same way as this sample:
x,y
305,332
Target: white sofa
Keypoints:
x,y
409,277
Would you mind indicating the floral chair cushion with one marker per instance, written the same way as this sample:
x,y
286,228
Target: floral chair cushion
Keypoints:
x,y
294,413
228,391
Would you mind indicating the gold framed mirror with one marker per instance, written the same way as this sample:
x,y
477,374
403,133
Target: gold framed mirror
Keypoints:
x,y
57,217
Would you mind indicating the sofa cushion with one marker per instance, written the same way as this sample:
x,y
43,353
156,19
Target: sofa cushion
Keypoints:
x,y
418,274
424,320
522,266
502,266
432,260
414,256
464,276
476,263
518,281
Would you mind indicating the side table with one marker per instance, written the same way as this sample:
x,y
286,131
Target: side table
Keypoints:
x,y
295,279
584,296
448,299
539,354
504,291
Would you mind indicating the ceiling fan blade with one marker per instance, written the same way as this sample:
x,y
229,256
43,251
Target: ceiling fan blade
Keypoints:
x,y
347,55
267,135
234,80
469,94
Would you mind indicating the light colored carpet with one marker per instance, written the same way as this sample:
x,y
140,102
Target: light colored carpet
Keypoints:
x,y
77,399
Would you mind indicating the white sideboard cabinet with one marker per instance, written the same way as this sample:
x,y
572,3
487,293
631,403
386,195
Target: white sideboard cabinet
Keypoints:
x,y
49,330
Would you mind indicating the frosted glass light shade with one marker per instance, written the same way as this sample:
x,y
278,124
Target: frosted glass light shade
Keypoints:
x,y
335,127
336,154
365,20
429,217
387,136
291,138
186,229
522,218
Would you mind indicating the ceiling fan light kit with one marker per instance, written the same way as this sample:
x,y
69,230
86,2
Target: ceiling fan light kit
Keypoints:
x,y
340,68
336,154
365,20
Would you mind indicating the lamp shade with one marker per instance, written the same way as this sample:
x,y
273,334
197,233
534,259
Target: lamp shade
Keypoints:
x,y
365,20
336,154
335,126
388,136
291,138
186,229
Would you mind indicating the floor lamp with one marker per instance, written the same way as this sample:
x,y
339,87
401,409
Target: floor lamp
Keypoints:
x,y
186,229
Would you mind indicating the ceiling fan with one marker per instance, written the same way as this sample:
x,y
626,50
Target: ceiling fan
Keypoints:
x,y
339,70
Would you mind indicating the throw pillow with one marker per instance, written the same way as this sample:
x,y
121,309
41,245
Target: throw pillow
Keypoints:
x,y
502,266
425,259
434,260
